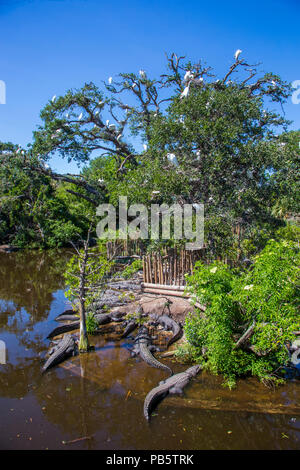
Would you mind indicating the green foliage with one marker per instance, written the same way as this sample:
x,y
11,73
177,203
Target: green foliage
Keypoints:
x,y
98,268
91,324
267,294
135,266
137,317
32,212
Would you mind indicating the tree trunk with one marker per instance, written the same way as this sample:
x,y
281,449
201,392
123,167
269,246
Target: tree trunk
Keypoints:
x,y
83,341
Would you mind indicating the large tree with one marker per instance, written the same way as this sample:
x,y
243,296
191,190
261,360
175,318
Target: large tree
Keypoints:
x,y
205,139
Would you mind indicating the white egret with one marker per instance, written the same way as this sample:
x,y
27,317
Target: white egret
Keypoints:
x,y
188,76
119,136
67,115
142,73
53,98
100,180
145,147
110,80
185,92
47,166
107,122
112,127
133,85
80,117
97,112
237,53
172,158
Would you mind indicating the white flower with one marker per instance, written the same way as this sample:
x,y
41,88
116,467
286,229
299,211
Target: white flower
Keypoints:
x,y
213,270
249,287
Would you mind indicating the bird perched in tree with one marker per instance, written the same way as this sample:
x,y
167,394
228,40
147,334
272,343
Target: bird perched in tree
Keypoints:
x,y
188,76
237,54
142,73
80,117
185,92
53,98
110,80
145,147
172,158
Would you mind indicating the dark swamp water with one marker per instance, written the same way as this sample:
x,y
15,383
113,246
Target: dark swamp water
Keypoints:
x,y
101,394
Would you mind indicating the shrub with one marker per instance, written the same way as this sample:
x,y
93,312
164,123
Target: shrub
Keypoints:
x,y
266,295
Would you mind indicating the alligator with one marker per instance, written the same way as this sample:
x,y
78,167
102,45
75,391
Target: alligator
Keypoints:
x,y
174,384
144,348
168,324
67,315
104,318
130,325
64,328
66,347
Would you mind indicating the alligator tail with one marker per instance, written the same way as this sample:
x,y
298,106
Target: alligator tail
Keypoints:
x,y
152,361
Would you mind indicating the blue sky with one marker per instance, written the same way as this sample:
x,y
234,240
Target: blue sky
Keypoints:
x,y
49,46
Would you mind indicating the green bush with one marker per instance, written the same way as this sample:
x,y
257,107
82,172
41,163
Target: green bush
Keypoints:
x,y
135,266
267,294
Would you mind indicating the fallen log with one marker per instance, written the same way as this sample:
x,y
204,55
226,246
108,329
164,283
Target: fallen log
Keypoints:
x,y
148,285
64,329
165,292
